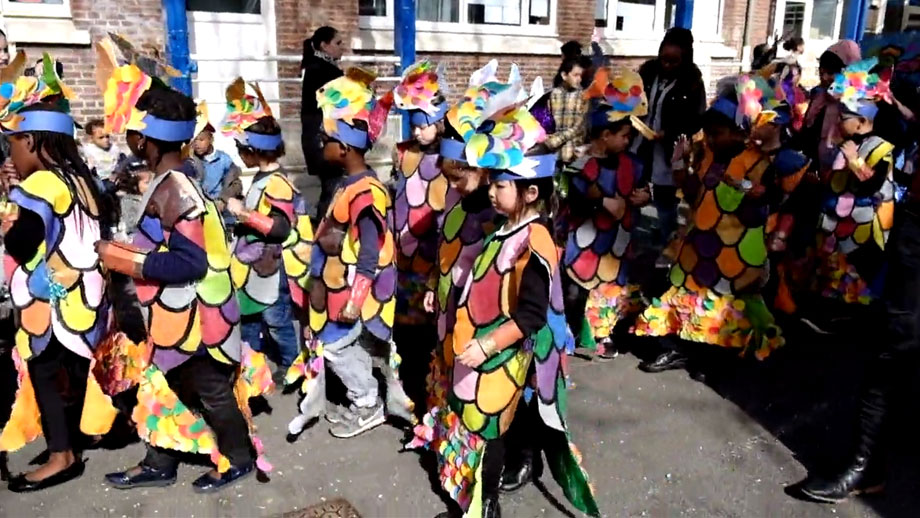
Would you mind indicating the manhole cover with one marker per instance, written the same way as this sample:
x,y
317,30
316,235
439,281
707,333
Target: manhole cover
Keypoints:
x,y
338,508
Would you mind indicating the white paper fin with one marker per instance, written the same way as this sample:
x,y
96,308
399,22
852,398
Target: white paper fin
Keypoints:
x,y
515,75
484,74
443,86
526,169
508,97
536,92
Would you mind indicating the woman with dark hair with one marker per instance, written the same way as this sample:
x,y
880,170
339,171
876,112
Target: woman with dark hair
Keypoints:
x,y
319,65
677,100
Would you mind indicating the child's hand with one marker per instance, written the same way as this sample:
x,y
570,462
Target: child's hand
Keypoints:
x,y
681,150
640,197
850,150
428,303
9,178
473,356
615,206
235,206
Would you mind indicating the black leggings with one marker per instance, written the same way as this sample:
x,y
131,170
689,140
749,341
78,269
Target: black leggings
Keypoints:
x,y
59,379
513,449
206,385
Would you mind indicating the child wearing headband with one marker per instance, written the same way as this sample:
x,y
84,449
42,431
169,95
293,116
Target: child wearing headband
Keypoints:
x,y
421,195
273,232
180,262
509,327
50,228
352,271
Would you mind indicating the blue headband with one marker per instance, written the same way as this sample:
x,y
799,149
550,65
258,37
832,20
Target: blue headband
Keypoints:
x,y
168,131
420,118
55,122
350,135
263,142
726,107
867,109
453,149
545,168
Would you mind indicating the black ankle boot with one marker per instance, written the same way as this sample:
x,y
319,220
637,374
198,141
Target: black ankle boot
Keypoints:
x,y
857,479
516,479
490,507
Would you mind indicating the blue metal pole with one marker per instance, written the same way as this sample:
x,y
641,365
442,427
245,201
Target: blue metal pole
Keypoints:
x,y
177,44
855,23
684,15
404,40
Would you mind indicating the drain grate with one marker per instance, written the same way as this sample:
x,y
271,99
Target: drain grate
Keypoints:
x,y
338,508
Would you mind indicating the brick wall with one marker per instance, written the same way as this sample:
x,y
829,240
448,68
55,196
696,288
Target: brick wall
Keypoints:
x,y
141,21
734,18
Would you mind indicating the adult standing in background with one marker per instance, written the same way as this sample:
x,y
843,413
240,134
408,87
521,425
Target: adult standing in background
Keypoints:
x,y
677,100
321,53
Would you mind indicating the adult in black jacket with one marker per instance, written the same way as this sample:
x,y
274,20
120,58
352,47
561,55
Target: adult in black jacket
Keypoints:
x,y
677,100
320,54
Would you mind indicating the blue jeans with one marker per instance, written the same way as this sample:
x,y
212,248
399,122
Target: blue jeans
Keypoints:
x,y
276,323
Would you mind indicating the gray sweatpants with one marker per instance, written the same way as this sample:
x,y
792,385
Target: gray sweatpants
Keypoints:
x,y
351,361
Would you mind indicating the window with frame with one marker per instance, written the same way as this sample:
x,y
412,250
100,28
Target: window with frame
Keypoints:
x,y
640,19
36,8
793,19
478,14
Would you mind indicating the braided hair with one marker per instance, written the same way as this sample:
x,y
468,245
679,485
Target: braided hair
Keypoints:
x,y
58,153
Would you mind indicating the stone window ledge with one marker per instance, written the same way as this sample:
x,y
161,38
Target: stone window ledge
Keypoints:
x,y
45,31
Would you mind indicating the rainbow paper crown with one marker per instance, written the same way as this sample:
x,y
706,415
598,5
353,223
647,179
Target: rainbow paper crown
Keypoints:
x,y
244,110
622,95
348,99
26,91
421,93
750,102
858,89
497,128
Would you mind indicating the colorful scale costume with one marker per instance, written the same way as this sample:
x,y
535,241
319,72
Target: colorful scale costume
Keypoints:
x,y
336,250
715,295
421,194
856,215
483,401
60,292
183,320
598,244
256,265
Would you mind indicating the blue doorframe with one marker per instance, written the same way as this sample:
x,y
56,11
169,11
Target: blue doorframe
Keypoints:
x,y
177,49
683,16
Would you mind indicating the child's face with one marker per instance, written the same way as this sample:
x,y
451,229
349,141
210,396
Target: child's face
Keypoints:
x,y
463,178
134,139
766,133
723,139
851,125
425,135
826,77
504,197
617,141
247,156
333,151
101,138
202,143
25,160
573,78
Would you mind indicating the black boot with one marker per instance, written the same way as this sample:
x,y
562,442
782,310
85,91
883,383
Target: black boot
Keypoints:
x,y
857,479
666,361
490,507
516,479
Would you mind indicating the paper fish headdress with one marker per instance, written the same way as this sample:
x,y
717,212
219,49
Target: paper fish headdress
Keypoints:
x,y
349,99
622,95
858,88
26,91
422,94
497,128
244,110
123,86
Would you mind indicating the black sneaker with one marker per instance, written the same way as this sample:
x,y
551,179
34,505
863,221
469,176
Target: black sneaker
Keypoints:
x,y
605,351
360,421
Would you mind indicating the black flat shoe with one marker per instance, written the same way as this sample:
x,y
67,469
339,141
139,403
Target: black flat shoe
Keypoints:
x,y
664,362
148,477
515,480
208,484
20,484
